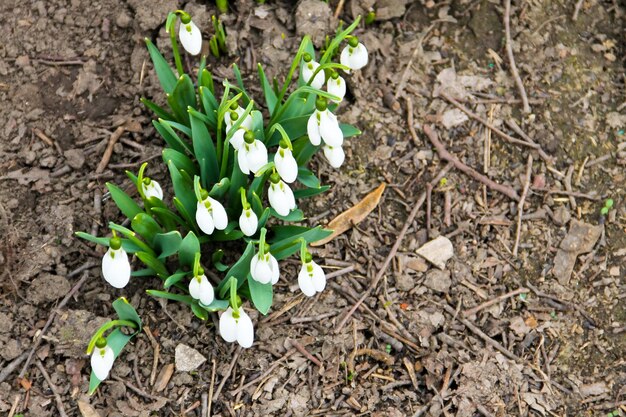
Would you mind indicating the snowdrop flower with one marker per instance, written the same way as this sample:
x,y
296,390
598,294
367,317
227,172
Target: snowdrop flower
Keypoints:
x,y
200,288
264,267
235,113
115,264
189,35
102,359
308,69
354,55
335,155
252,154
311,278
151,188
336,86
248,221
280,196
285,163
210,214
235,325
323,125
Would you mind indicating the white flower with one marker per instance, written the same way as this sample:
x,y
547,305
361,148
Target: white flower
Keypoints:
x,y
286,164
211,215
115,265
152,189
334,154
190,37
200,288
248,222
237,139
228,118
102,359
336,86
281,197
264,268
311,279
354,56
237,326
323,125
251,156
308,69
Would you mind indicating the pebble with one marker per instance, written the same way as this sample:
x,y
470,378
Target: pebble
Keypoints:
x,y
437,251
438,280
75,158
187,358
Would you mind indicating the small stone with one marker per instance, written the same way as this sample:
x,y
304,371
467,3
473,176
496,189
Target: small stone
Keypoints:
x,y
416,264
437,251
11,350
187,358
75,158
123,20
22,61
614,271
438,280
404,282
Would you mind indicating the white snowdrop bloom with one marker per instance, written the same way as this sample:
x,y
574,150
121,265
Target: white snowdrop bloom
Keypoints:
x,y
336,86
280,196
323,125
335,155
151,188
237,139
201,289
102,359
190,37
115,264
237,326
252,154
248,222
308,69
286,164
354,55
311,279
211,215
235,113
264,268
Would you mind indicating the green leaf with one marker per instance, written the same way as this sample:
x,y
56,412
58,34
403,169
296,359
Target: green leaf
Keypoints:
x,y
145,272
184,192
180,127
188,249
310,192
187,299
307,178
294,215
239,270
237,180
127,205
206,80
270,95
199,312
181,161
216,305
183,97
261,295
189,218
153,263
303,150
349,130
295,127
132,236
127,245
164,72
285,239
170,137
204,149
159,111
167,244
125,311
175,278
263,218
216,260
168,218
228,234
210,106
220,188
146,227
242,88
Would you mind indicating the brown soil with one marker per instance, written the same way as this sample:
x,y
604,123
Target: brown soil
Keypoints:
x,y
72,71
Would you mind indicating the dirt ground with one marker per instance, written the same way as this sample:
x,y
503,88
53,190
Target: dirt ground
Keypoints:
x,y
551,338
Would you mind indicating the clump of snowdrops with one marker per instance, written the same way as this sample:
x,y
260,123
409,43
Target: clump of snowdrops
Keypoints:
x,y
236,177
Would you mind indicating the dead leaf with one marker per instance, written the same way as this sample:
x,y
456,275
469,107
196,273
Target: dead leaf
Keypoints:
x,y
86,410
353,215
164,377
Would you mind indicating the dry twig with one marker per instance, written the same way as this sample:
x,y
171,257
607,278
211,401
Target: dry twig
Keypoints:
x,y
509,52
305,352
409,120
53,388
520,206
472,311
579,5
106,157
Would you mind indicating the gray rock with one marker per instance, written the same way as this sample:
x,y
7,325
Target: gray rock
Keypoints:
x,y
404,282
437,251
75,158
187,358
438,280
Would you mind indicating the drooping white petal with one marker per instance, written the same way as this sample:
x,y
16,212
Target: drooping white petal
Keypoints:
x,y
116,267
204,219
275,269
319,277
257,156
335,155
359,57
247,122
207,294
286,165
260,269
237,139
308,69
248,222
290,199
194,288
245,329
220,218
329,129
306,283
281,198
102,361
344,58
336,87
190,37
242,160
313,129
152,190
228,326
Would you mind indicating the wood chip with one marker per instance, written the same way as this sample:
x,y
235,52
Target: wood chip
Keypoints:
x,y
164,377
86,410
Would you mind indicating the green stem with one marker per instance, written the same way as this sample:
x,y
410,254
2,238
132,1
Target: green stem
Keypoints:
x,y
340,37
106,326
233,294
262,241
179,64
294,65
233,129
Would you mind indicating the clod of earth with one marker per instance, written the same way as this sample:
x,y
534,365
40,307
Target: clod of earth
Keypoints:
x,y
581,238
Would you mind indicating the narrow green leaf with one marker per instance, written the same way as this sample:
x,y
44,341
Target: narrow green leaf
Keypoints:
x,y
159,111
175,278
270,95
184,191
204,149
199,312
125,311
349,130
261,295
146,227
188,249
220,188
209,105
183,97
285,239
167,244
164,72
216,305
127,205
181,161
294,215
307,178
310,192
153,263
263,218
170,137
187,299
239,270
132,236
295,127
